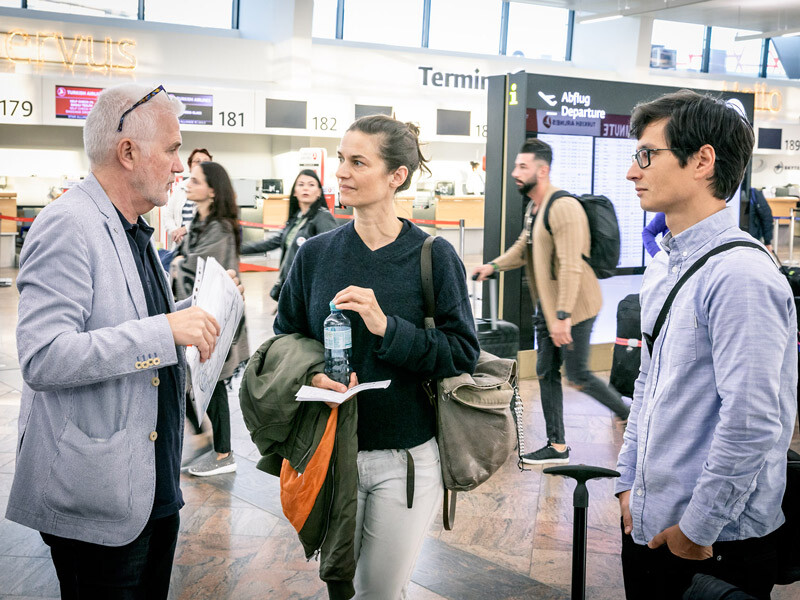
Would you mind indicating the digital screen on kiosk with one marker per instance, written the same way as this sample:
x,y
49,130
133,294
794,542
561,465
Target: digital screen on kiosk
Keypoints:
x,y
199,108
75,102
592,156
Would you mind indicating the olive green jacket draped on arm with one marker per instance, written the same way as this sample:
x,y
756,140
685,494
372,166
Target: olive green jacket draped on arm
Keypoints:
x,y
558,276
283,428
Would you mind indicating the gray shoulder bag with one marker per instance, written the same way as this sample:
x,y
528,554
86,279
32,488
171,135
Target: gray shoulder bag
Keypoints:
x,y
475,413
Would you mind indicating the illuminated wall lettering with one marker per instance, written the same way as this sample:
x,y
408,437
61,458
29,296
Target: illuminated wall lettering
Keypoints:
x,y
55,48
765,100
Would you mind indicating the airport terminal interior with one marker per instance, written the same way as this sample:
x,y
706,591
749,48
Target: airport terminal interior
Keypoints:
x,y
270,86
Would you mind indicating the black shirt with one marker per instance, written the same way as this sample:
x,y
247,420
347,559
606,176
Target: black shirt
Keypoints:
x,y
168,499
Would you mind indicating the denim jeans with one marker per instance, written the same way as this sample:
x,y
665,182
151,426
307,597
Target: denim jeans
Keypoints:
x,y
576,360
139,570
389,535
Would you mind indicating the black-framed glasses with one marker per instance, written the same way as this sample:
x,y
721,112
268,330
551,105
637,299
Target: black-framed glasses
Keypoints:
x,y
139,103
642,157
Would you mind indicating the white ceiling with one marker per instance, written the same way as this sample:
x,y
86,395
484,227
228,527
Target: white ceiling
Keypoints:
x,y
757,15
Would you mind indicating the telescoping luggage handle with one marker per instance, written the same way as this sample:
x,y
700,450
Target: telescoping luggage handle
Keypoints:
x,y
580,502
651,338
492,298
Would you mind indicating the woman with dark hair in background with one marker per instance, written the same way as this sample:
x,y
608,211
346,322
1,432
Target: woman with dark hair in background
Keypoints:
x,y
370,269
214,231
308,216
180,210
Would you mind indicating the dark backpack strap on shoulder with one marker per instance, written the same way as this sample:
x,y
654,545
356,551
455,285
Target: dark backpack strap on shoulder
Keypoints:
x,y
651,338
426,270
546,216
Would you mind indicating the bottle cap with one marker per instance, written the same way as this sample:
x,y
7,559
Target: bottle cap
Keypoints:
x,y
333,307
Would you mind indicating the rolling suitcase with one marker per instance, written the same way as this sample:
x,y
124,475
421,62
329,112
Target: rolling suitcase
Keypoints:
x,y
500,338
628,345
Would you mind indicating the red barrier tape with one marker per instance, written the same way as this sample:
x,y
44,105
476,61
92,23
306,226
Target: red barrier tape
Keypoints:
x,y
259,225
20,219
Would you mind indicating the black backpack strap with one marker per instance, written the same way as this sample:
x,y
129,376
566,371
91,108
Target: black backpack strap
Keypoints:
x,y
650,338
546,216
426,270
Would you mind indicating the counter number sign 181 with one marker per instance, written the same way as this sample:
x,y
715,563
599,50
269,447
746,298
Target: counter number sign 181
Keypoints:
x,y
16,108
231,119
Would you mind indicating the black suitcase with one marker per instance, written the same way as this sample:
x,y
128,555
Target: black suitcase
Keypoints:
x,y
628,345
500,338
793,277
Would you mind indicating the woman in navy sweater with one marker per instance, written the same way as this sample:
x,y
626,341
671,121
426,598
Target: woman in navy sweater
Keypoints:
x,y
370,268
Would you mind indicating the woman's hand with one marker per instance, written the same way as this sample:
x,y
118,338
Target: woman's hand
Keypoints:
x,y
363,301
320,380
178,234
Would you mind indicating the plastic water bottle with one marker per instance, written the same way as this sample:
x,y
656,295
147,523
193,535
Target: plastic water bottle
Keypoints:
x,y
338,346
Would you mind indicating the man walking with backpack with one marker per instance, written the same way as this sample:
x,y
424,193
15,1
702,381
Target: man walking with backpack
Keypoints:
x,y
563,288
703,463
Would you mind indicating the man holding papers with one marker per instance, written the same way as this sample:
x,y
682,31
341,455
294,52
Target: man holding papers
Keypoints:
x,y
100,344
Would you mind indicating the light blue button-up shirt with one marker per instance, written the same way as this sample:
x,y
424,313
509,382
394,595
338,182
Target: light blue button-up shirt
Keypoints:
x,y
714,408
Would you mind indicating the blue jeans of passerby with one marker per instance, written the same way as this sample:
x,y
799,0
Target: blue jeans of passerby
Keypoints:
x,y
389,535
575,358
139,570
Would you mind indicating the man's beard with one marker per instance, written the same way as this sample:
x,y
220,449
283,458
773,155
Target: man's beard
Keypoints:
x,y
527,187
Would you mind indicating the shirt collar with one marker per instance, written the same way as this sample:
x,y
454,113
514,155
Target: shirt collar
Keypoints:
x,y
140,231
698,235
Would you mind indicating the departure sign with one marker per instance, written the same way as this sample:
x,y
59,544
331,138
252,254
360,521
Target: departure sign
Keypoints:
x,y
75,102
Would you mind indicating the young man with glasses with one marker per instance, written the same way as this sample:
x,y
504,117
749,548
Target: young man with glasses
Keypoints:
x,y
703,462
100,344
564,290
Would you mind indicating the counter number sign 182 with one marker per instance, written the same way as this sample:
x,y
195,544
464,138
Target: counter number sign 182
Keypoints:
x,y
324,123
792,144
18,108
231,119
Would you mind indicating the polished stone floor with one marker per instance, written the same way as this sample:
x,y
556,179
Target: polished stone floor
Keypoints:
x,y
512,538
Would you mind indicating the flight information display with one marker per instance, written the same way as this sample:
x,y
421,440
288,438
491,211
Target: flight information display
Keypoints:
x,y
592,156
199,109
75,102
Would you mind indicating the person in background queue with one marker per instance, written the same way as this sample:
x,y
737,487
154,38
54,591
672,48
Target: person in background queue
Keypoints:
x,y
703,462
214,232
308,216
180,209
100,344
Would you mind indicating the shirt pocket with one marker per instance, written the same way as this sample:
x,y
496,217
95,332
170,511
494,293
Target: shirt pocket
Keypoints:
x,y
680,345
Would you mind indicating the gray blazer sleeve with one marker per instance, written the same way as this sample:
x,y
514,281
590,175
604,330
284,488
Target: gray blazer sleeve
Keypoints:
x,y
64,338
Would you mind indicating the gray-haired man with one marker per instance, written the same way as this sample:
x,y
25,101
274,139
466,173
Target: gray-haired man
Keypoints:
x,y
100,344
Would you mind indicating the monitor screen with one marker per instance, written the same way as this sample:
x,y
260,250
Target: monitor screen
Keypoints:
x,y
286,113
75,102
769,139
199,108
452,122
364,110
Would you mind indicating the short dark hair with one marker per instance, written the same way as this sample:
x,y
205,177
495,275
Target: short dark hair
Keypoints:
x,y
694,120
541,150
399,144
294,203
224,206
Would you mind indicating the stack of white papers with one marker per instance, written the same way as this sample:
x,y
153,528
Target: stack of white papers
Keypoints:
x,y
313,394
215,292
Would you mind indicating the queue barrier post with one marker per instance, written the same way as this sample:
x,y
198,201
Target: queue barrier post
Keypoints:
x,y
776,227
461,234
792,217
